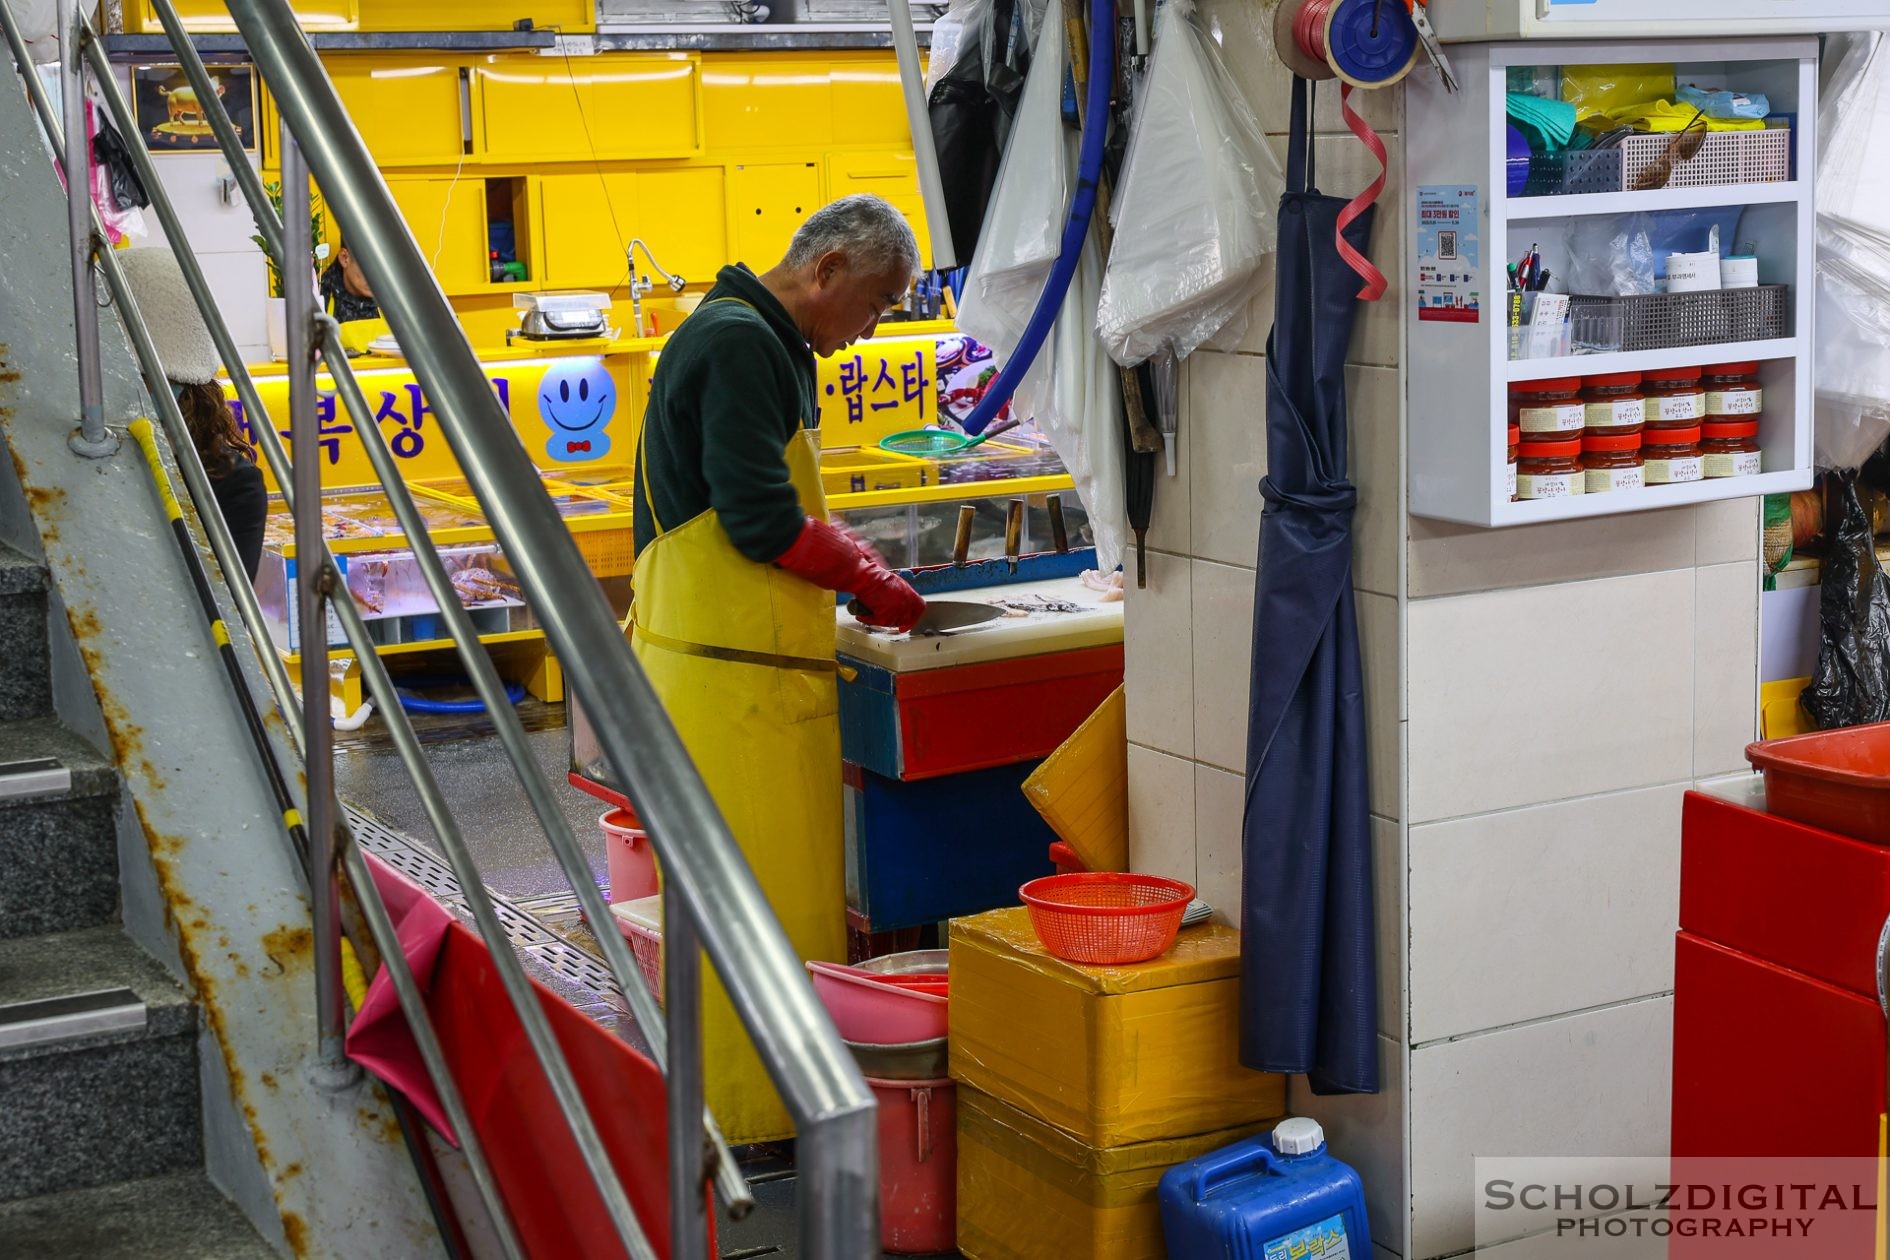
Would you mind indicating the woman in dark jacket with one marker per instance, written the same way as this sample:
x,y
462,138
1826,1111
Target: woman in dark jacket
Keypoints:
x,y
190,369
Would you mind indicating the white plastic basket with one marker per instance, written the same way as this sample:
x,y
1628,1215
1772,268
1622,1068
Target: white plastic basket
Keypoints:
x,y
1725,157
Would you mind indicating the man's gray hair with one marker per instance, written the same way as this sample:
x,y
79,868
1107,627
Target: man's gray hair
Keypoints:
x,y
869,230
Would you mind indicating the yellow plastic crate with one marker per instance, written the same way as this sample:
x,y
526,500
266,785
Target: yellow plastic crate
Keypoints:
x,y
1779,711
1082,789
1027,1191
864,471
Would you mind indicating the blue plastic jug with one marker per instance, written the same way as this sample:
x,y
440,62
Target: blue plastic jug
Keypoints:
x,y
1278,1196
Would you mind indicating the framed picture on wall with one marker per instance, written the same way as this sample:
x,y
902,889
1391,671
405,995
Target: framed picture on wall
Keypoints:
x,y
172,119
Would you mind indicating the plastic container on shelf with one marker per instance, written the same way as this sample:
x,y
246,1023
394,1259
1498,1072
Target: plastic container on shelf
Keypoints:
x,y
1671,456
1547,409
1550,470
1838,780
1732,390
629,858
1675,398
1277,1194
1611,461
1730,449
1515,440
918,1165
1613,403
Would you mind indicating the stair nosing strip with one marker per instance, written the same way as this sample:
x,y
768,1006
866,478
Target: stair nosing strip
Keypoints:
x,y
69,1017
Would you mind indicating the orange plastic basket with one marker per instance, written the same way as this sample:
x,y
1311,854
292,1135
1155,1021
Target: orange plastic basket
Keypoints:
x,y
1103,917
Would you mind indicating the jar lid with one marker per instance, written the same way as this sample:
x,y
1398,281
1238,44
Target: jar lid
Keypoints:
x,y
1732,369
1550,450
1555,385
1614,380
1672,437
1731,429
1612,442
1671,374
1515,434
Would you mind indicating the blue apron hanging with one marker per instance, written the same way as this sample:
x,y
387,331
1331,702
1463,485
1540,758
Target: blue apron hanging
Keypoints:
x,y
1308,974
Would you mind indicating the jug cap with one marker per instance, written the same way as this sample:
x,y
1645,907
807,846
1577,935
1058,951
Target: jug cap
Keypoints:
x,y
1298,1135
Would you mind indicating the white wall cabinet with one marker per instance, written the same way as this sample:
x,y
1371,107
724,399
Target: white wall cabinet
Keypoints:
x,y
1460,369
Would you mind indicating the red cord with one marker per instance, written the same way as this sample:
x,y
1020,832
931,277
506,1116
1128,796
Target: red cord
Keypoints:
x,y
1309,32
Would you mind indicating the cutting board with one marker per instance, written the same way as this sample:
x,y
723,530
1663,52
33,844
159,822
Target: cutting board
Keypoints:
x,y
1094,624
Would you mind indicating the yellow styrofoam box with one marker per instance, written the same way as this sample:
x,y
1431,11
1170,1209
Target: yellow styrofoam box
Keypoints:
x,y
1082,789
1027,1191
1112,1055
1779,711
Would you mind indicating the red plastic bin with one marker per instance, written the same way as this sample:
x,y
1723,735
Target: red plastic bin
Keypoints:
x,y
1838,780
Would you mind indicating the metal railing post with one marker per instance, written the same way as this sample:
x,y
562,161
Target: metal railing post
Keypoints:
x,y
682,1008
91,439
332,1069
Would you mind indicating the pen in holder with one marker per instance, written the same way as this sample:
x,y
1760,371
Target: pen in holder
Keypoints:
x,y
1538,325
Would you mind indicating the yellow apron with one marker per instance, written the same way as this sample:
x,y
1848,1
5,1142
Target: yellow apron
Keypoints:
x,y
742,656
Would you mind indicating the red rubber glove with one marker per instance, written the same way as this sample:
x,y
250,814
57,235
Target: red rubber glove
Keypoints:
x,y
829,559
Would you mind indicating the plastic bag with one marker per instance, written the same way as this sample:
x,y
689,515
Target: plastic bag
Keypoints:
x,y
1183,268
946,32
108,150
1611,255
1601,89
1851,685
971,104
1024,223
1853,279
38,21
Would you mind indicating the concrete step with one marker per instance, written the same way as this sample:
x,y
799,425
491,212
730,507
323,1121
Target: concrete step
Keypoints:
x,y
25,668
176,1217
90,1093
58,841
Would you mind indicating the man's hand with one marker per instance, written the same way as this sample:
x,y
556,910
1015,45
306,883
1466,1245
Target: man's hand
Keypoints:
x,y
832,559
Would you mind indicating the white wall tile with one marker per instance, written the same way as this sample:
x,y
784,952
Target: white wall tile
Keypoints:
x,y
1227,454
1725,691
1593,1084
1384,701
1171,520
1549,693
1367,1132
1161,814
1375,397
240,284
1532,912
1223,660
1729,530
1158,672
1388,897
1449,559
1220,804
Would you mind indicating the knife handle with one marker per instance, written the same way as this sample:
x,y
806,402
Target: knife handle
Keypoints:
x,y
961,546
1059,532
1014,532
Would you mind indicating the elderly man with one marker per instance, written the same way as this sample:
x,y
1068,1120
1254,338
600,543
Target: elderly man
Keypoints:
x,y
733,616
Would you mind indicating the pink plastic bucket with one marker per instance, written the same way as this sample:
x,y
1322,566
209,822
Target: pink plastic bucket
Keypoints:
x,y
628,857
874,1012
918,1166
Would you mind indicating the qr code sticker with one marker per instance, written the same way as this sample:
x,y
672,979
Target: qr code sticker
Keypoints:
x,y
1447,245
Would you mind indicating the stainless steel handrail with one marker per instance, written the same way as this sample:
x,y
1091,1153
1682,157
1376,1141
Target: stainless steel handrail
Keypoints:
x,y
90,439
818,1079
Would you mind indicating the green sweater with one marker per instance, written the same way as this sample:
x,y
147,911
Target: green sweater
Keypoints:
x,y
732,387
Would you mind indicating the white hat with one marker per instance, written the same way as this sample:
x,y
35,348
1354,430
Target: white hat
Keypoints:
x,y
177,326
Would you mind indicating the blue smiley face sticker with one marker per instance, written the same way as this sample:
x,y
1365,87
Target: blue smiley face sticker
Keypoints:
x,y
576,399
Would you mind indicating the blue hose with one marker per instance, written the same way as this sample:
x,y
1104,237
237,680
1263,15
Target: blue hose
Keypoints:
x,y
1102,75
514,692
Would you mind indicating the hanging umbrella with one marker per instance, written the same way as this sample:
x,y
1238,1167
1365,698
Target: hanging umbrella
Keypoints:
x,y
1308,980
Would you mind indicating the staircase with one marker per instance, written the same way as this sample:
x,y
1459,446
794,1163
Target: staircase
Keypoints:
x,y
101,1127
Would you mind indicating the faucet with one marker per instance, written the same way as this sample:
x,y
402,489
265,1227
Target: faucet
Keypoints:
x,y
639,285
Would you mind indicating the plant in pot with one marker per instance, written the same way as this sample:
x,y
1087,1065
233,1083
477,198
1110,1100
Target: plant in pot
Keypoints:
x,y
275,309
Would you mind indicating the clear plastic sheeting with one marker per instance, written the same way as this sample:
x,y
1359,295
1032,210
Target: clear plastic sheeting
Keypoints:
x,y
1853,286
1194,214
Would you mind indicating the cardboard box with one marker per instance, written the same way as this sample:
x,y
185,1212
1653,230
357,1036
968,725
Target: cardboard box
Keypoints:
x,y
1110,1055
1027,1191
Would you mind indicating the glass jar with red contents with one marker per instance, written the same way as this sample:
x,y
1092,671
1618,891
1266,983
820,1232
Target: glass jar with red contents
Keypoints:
x,y
1549,470
1730,448
1611,461
1675,398
1671,456
1733,391
1548,411
1515,437
1614,403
